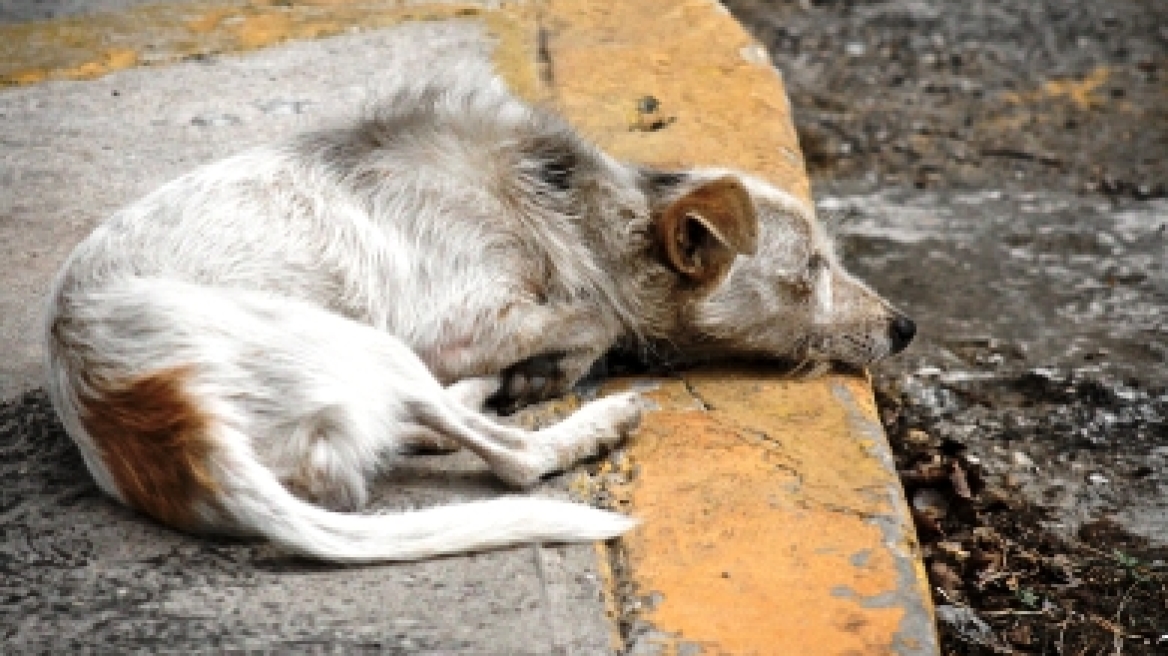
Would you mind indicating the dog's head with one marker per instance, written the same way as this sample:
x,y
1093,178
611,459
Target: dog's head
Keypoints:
x,y
765,278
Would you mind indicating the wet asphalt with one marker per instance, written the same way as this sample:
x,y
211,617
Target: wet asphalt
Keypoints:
x,y
1044,338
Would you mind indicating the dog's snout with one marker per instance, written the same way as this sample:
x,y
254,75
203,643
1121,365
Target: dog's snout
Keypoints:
x,y
901,331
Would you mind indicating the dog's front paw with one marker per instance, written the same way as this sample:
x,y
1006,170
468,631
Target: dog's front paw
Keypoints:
x,y
529,381
599,425
619,415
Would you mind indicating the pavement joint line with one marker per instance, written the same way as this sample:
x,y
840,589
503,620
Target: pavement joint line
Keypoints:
x,y
558,644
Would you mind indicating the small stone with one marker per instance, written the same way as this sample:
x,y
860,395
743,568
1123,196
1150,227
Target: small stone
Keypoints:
x,y
917,437
1021,460
1097,479
944,576
953,550
966,623
855,49
931,503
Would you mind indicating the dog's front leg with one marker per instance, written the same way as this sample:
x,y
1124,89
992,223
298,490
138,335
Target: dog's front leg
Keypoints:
x,y
542,377
540,350
561,345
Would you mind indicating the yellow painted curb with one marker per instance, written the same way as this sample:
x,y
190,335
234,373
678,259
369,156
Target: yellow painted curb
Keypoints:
x,y
715,98
773,520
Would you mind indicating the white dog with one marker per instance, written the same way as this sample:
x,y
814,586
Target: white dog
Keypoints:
x,y
250,342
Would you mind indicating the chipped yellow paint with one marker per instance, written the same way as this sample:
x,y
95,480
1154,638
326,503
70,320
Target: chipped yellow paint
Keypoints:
x,y
111,60
1082,93
92,46
261,30
759,497
209,21
721,101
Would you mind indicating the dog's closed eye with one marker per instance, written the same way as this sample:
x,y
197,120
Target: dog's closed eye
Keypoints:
x,y
665,179
556,172
811,278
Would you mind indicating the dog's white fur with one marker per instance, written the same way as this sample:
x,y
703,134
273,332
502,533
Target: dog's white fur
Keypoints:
x,y
251,341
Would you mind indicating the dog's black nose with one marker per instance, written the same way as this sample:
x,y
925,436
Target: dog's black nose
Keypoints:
x,y
901,331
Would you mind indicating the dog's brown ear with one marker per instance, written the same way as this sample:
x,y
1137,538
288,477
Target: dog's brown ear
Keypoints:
x,y
704,230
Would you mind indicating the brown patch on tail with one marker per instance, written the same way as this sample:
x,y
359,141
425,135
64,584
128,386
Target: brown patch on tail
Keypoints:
x,y
155,441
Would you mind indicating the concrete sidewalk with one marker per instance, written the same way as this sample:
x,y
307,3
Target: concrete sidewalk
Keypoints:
x,y
773,522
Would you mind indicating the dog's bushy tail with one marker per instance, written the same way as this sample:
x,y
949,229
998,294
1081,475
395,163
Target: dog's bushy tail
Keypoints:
x,y
257,502
155,450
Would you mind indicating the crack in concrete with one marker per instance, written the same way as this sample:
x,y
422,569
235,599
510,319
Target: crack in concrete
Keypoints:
x,y
774,446
609,488
551,603
693,392
814,504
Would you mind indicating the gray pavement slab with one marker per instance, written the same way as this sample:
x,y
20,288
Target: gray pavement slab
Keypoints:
x,y
12,11
79,574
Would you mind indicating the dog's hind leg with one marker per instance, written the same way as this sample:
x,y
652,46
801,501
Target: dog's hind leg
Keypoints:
x,y
522,457
321,399
358,394
471,393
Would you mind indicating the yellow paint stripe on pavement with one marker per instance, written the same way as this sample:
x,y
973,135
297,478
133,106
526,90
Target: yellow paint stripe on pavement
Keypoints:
x,y
87,47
